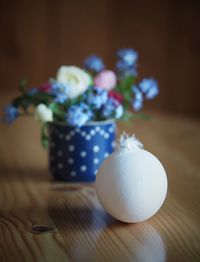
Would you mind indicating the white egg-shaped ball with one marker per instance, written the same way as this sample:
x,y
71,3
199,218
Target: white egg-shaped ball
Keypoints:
x,y
131,185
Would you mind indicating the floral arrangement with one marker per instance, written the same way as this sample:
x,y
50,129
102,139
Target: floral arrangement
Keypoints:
x,y
76,96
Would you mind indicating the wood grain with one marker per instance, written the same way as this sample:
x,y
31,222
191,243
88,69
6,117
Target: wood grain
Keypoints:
x,y
43,220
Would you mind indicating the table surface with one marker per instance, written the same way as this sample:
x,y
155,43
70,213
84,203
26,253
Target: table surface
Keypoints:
x,y
43,220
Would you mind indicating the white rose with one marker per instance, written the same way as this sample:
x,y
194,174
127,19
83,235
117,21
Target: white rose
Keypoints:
x,y
77,79
43,113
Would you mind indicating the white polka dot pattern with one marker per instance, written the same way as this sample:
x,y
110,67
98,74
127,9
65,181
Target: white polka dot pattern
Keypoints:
x,y
113,144
77,153
83,168
72,173
67,137
96,161
83,154
96,148
60,165
83,133
106,154
60,153
92,132
70,160
88,137
71,148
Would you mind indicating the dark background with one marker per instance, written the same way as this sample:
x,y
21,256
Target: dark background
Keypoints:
x,y
38,36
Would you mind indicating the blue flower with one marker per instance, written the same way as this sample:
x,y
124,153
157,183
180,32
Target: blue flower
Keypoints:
x,y
60,98
149,87
60,91
97,97
137,102
128,55
137,105
11,113
119,111
32,91
125,70
126,65
112,109
94,63
78,115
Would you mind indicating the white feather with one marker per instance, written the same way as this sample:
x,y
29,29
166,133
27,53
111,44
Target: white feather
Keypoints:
x,y
129,143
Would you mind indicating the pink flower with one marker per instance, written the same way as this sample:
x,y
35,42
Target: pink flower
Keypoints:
x,y
45,87
106,79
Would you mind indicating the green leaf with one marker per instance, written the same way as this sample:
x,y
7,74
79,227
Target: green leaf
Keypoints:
x,y
58,111
45,143
55,108
17,101
125,88
39,98
22,85
44,136
128,115
42,96
127,82
143,116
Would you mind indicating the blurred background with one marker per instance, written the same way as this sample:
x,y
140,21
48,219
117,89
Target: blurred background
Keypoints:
x,y
38,36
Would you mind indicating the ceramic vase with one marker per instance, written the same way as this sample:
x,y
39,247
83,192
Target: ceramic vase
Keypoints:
x,y
75,154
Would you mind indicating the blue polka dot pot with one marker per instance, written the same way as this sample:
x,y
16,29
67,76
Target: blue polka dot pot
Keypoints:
x,y
75,154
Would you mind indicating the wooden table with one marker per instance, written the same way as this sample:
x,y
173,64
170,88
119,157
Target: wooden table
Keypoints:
x,y
43,220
